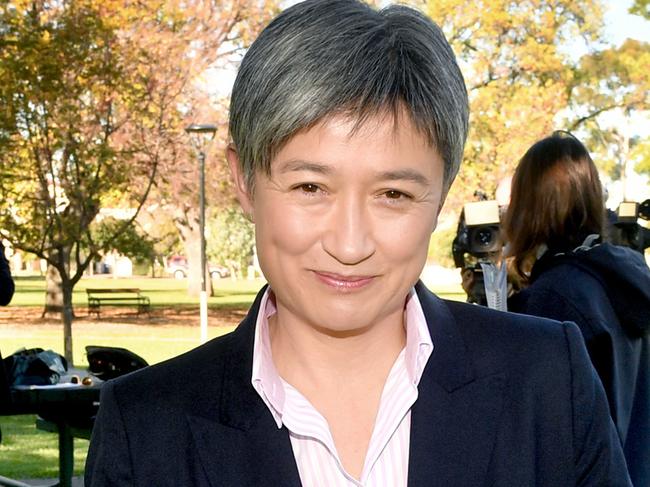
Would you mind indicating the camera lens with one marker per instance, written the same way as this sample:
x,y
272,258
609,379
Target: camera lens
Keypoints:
x,y
483,237
483,240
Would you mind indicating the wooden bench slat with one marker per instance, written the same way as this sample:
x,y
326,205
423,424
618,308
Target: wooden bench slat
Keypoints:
x,y
126,298
112,290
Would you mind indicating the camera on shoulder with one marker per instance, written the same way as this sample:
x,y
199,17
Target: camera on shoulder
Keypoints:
x,y
477,240
624,228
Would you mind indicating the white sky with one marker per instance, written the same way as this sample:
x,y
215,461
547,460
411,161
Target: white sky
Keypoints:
x,y
621,25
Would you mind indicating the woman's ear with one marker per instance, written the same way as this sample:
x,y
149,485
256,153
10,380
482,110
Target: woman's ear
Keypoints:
x,y
241,187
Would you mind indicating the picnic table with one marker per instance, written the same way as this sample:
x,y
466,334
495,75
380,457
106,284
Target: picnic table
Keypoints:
x,y
117,297
65,408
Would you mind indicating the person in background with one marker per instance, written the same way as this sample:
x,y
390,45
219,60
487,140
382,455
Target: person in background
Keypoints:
x,y
7,286
554,228
347,129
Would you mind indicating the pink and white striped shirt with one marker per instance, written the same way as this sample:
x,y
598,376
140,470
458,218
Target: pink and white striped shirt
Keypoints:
x,y
319,465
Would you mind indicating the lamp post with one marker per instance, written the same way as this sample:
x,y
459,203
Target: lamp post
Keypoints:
x,y
200,136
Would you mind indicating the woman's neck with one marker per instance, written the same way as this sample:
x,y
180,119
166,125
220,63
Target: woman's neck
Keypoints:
x,y
313,357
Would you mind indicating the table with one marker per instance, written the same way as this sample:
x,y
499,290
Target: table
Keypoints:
x,y
66,409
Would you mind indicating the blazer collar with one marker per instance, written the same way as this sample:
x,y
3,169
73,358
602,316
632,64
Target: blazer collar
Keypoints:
x,y
454,420
241,406
449,365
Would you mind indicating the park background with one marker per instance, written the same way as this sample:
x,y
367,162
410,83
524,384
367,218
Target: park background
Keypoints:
x,y
99,182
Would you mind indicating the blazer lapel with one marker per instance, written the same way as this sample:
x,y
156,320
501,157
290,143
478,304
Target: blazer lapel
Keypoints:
x,y
454,420
236,437
261,455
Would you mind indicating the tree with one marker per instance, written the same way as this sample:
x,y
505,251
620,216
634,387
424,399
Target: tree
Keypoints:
x,y
97,94
81,127
641,155
534,67
130,241
231,239
191,52
158,228
609,79
517,71
609,87
642,8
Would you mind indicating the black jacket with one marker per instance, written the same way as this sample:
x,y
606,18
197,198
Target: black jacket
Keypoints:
x,y
6,282
505,400
606,291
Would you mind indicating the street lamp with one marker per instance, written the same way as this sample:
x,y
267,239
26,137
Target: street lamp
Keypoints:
x,y
200,137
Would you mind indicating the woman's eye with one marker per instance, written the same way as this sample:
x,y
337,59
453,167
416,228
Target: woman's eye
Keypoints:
x,y
309,188
393,194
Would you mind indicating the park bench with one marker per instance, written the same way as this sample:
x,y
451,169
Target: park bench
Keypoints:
x,y
117,297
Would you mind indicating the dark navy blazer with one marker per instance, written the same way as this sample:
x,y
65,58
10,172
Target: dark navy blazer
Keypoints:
x,y
505,400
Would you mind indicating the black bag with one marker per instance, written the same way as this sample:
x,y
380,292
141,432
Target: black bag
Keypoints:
x,y
35,367
110,362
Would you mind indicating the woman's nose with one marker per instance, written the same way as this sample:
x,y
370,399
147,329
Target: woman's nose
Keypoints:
x,y
349,233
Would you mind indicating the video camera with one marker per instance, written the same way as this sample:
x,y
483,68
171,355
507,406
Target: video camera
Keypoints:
x,y
624,229
477,240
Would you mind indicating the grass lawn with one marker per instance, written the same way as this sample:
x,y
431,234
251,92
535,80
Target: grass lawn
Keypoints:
x,y
163,292
166,292
26,452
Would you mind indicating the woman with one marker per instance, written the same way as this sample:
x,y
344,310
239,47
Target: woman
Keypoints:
x,y
554,228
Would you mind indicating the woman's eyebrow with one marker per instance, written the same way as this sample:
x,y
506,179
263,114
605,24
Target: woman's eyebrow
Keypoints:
x,y
296,165
404,175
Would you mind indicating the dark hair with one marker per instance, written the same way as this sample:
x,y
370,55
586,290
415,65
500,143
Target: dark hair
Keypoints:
x,y
341,57
556,199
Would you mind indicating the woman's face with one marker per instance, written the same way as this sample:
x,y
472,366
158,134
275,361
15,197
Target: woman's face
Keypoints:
x,y
344,220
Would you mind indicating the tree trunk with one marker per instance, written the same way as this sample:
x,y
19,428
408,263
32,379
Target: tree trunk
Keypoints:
x,y
53,292
58,302
67,316
191,238
58,297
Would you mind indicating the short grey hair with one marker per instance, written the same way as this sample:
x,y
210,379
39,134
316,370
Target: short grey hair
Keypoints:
x,y
321,58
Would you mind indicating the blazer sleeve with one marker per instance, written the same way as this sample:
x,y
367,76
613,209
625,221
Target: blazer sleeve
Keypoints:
x,y
109,461
598,457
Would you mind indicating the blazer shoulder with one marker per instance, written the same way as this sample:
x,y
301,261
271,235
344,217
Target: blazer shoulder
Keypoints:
x,y
178,379
457,315
512,340
201,365
518,326
485,331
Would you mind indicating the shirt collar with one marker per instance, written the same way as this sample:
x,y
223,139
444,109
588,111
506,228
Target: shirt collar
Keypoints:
x,y
419,345
268,383
265,378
